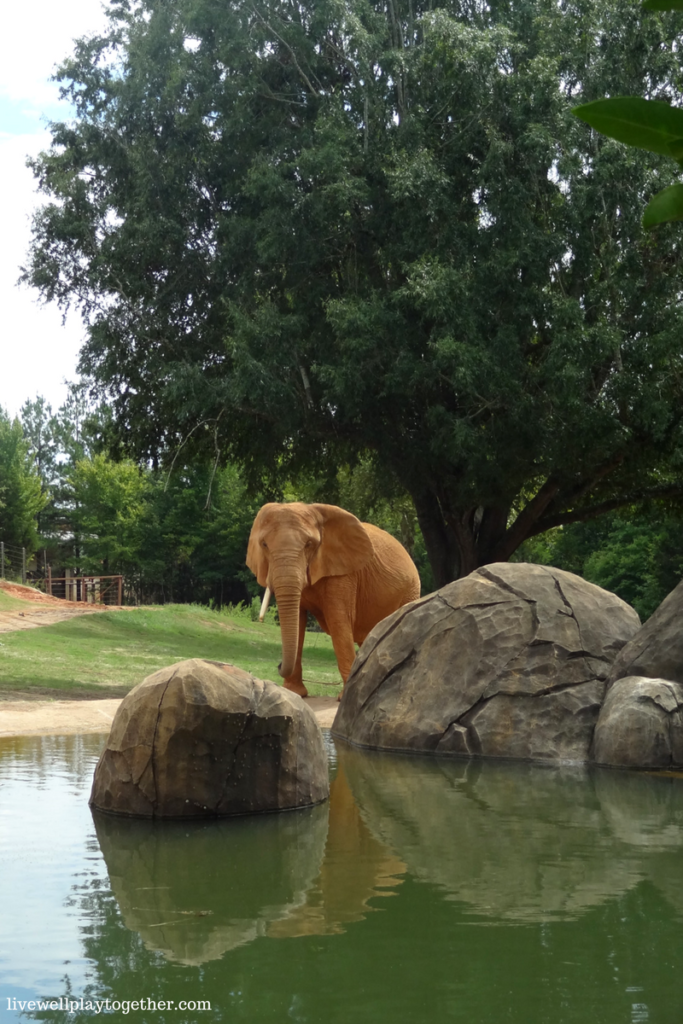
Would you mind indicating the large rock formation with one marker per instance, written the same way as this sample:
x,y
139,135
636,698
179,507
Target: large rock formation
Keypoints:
x,y
509,662
640,724
656,650
201,739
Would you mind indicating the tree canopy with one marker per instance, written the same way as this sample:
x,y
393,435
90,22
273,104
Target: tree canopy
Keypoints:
x,y
21,495
307,232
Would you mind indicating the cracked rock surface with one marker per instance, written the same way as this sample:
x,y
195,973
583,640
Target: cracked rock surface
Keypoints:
x,y
202,739
640,724
510,661
657,649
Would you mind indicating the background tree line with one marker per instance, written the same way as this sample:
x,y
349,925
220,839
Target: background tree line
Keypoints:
x,y
178,536
182,535
177,533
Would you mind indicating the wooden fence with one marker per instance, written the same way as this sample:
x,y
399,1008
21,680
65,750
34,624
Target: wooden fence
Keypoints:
x,y
15,566
90,589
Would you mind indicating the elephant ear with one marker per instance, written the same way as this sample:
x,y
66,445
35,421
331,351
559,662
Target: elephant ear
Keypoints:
x,y
256,556
345,547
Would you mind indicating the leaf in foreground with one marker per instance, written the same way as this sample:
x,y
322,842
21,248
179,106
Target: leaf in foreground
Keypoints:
x,y
647,124
665,206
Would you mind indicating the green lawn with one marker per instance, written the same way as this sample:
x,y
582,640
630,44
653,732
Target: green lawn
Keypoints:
x,y
107,653
10,604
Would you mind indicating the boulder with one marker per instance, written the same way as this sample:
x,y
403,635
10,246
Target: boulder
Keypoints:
x,y
640,724
510,661
200,739
656,650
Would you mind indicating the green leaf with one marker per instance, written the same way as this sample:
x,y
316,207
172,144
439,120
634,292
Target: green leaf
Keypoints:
x,y
663,5
647,124
676,150
665,206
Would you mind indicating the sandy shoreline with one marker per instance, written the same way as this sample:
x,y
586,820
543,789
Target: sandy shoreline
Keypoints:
x,y
66,717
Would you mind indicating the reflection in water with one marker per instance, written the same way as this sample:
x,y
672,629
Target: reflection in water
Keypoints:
x,y
42,760
575,873
642,809
513,842
518,841
356,867
47,849
195,891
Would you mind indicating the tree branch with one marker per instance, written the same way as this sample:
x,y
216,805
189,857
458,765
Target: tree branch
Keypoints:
x,y
289,49
593,511
523,524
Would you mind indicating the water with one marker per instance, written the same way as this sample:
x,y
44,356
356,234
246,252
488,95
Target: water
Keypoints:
x,y
425,891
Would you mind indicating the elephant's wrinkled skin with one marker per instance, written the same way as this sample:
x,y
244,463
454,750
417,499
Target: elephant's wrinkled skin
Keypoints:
x,y
321,559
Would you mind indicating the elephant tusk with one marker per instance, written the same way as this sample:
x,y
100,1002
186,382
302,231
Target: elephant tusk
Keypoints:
x,y
264,604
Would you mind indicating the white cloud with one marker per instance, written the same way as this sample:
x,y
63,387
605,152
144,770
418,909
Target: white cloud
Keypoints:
x,y
47,30
37,353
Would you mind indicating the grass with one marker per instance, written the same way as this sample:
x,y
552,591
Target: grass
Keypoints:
x,y
107,653
11,604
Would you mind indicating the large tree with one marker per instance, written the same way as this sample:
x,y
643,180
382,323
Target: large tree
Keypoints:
x,y
304,231
21,495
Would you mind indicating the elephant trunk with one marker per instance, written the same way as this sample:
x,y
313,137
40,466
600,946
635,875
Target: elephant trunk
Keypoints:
x,y
287,588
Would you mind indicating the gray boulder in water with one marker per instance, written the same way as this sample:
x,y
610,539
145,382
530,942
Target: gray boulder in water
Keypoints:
x,y
640,724
656,650
511,661
200,739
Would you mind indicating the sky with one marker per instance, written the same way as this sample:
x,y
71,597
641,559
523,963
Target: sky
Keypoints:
x,y
37,352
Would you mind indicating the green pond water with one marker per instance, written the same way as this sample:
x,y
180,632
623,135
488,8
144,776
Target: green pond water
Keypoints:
x,y
424,891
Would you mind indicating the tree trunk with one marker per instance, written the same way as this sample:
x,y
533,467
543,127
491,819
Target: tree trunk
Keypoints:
x,y
459,540
442,551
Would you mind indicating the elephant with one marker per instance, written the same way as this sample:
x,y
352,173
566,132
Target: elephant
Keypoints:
x,y
322,559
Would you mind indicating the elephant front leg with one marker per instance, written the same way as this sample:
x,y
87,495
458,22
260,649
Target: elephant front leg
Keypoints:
x,y
295,681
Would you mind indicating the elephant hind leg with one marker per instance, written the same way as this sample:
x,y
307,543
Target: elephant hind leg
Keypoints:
x,y
295,682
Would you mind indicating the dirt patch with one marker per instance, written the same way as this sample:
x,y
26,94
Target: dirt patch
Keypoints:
x,y
41,610
30,594
65,717
56,717
38,694
12,621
